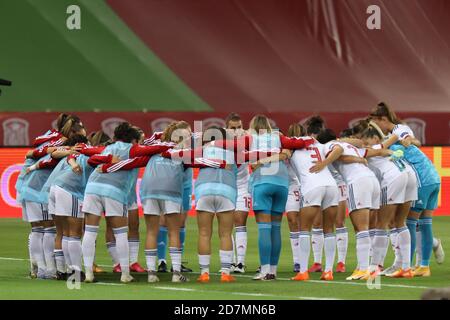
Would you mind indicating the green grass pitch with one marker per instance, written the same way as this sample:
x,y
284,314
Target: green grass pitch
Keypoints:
x,y
15,284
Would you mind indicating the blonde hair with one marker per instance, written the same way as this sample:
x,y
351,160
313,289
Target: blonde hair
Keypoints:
x,y
296,130
260,122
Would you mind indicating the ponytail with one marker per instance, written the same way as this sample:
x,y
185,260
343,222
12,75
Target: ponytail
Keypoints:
x,y
383,110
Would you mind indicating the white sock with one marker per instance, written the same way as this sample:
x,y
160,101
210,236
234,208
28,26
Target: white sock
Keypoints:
x,y
48,244
88,247
379,247
330,251
273,270
372,238
265,269
65,249
134,250
418,247
342,243
150,258
36,247
60,261
404,245
317,244
112,250
123,250
233,246
32,261
75,253
226,257
304,243
204,260
294,246
363,249
241,244
175,256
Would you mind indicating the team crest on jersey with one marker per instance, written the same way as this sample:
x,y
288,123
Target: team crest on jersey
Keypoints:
x,y
15,132
160,124
110,124
418,127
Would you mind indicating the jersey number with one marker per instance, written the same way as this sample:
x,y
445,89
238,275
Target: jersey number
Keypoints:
x,y
316,154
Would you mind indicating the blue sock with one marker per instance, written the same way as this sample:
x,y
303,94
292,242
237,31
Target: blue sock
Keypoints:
x,y
162,243
276,243
425,227
264,242
182,237
411,223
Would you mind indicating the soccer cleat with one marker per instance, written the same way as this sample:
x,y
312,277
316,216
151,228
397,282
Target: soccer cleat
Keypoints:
x,y
126,278
225,277
296,267
152,277
340,268
359,275
316,267
185,269
178,277
61,275
50,275
327,276
239,268
162,267
258,270
375,271
97,269
136,267
439,253
422,272
301,276
117,268
41,274
400,273
259,276
89,277
33,271
389,270
233,266
203,278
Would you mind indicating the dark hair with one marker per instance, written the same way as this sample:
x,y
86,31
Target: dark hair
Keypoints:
x,y
214,133
125,132
383,110
314,125
296,130
326,135
232,117
371,132
61,121
98,138
76,138
346,133
360,126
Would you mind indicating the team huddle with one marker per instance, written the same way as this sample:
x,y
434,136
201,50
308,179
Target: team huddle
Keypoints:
x,y
375,171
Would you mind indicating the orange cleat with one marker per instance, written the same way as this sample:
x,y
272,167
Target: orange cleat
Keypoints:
x,y
316,267
301,276
204,277
136,267
327,276
117,268
403,274
340,268
227,278
97,269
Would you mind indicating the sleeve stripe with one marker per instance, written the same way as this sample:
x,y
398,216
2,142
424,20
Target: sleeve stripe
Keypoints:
x,y
119,165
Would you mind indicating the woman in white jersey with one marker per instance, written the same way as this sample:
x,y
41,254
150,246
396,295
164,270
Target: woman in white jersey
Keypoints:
x,y
319,194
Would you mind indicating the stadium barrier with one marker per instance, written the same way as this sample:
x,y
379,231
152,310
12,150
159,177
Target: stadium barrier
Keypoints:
x,y
11,160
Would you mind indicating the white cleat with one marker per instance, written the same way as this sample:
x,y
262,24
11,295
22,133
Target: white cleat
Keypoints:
x,y
89,277
389,270
239,268
126,278
177,277
152,277
439,253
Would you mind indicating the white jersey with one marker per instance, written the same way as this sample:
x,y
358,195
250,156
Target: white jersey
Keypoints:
x,y
293,180
387,169
242,177
336,175
402,131
351,172
302,160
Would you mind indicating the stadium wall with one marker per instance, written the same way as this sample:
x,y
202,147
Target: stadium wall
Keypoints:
x,y
11,160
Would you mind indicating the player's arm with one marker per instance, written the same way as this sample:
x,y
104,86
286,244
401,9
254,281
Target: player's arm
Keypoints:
x,y
353,141
294,143
142,151
43,164
207,163
63,152
332,156
238,144
129,164
378,153
91,151
352,159
100,158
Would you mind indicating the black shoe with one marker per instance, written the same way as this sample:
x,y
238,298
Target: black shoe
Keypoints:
x,y
269,277
61,275
82,276
162,267
258,270
183,269
239,268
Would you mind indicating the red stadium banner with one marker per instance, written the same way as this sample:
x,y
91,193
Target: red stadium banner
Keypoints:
x,y
11,160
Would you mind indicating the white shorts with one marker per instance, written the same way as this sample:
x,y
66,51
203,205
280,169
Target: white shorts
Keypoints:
x,y
323,197
293,200
95,204
215,204
133,206
65,203
51,201
343,193
411,192
394,193
159,207
243,200
364,194
34,212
